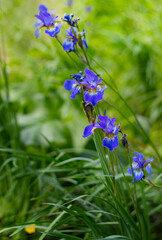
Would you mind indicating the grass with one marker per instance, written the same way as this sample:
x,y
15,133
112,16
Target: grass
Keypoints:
x,y
51,176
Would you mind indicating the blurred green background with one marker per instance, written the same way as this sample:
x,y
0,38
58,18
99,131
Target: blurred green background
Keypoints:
x,y
123,38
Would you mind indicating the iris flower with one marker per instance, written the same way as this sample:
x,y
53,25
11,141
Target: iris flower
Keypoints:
x,y
139,166
72,38
110,129
46,19
90,83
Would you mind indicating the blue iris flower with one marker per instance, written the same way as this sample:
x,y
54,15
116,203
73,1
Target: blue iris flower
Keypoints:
x,y
72,39
139,166
94,90
90,83
110,129
46,19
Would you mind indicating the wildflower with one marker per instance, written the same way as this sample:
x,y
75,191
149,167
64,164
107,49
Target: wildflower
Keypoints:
x,y
90,84
72,38
139,166
46,19
93,90
30,229
110,129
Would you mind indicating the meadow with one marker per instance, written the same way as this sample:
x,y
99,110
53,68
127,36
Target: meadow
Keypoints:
x,y
53,181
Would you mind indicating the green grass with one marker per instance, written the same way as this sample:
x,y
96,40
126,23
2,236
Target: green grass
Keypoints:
x,y
49,174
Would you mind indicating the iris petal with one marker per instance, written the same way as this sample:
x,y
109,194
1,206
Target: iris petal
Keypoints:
x,y
69,85
93,97
110,143
148,161
37,33
75,92
68,45
42,8
138,174
53,31
148,169
84,43
88,130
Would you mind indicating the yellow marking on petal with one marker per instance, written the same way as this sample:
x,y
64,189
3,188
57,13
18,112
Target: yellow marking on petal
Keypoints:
x,y
110,135
30,230
92,90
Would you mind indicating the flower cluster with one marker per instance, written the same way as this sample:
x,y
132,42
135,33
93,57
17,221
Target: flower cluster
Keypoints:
x,y
89,83
139,167
110,129
90,86
53,27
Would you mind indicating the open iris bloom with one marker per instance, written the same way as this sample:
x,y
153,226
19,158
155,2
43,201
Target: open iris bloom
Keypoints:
x,y
46,19
72,38
110,129
90,84
139,166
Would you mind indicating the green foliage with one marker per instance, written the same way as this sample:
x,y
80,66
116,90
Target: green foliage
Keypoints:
x,y
49,174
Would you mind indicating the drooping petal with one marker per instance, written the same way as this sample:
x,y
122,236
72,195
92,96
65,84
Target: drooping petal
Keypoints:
x,y
69,85
75,92
110,143
148,161
138,174
88,130
53,30
93,96
37,33
68,45
38,23
148,169
134,166
84,42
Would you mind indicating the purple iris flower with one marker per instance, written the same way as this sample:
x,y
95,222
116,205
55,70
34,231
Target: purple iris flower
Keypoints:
x,y
90,83
94,91
138,166
71,40
46,19
109,128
